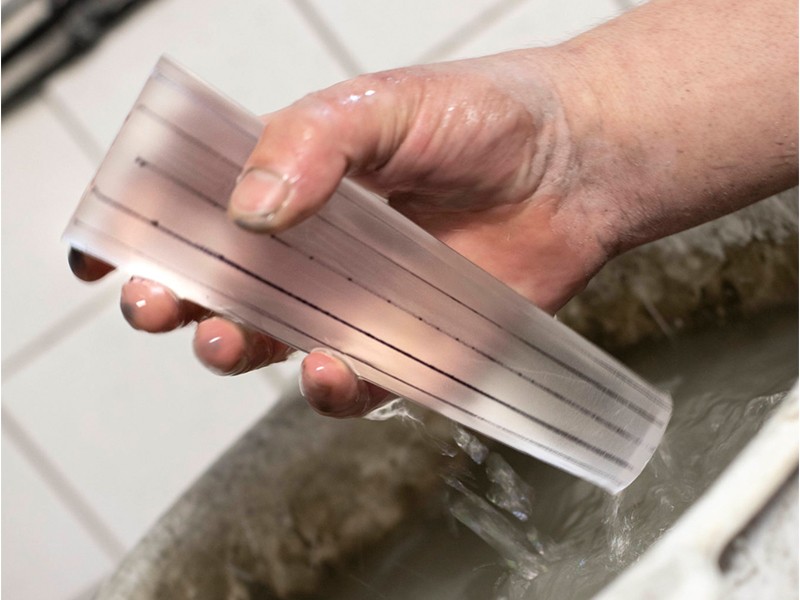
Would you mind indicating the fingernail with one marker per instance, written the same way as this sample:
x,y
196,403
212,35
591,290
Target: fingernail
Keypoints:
x,y
215,346
320,391
324,390
258,198
149,306
221,348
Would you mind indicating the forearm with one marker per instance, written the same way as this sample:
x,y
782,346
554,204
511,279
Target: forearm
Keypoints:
x,y
693,110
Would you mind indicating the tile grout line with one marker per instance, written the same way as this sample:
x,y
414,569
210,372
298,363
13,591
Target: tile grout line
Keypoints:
x,y
93,151
65,326
70,498
90,147
467,32
625,5
329,39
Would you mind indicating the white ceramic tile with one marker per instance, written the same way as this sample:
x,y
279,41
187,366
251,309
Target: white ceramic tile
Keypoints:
x,y
132,419
381,35
46,552
539,23
263,54
43,175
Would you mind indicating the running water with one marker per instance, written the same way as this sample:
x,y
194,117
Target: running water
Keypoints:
x,y
517,529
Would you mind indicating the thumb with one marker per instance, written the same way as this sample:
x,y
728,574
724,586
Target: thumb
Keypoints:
x,y
306,149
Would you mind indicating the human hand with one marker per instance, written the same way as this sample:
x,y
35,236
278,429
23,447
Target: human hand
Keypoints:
x,y
538,165
467,154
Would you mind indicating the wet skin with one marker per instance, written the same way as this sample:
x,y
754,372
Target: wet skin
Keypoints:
x,y
538,165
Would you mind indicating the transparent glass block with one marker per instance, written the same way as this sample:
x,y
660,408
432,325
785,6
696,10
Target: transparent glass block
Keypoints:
x,y
412,315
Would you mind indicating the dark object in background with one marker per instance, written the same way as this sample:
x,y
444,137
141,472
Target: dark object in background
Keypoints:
x,y
39,36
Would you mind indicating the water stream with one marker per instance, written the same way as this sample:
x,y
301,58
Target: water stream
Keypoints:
x,y
513,528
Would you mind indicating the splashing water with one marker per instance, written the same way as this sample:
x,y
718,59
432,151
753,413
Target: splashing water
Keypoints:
x,y
530,531
510,542
396,409
507,489
470,444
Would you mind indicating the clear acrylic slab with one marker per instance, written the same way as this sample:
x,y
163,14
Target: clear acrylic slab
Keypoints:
x,y
412,315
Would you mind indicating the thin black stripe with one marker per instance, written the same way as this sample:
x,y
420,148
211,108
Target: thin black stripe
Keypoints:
x,y
643,390
146,164
591,381
598,361
558,431
195,99
186,135
273,317
613,427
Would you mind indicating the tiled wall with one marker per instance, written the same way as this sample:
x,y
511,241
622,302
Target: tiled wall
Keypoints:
x,y
104,427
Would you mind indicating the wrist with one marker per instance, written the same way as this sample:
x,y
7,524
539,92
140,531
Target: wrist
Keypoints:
x,y
667,139
607,174
587,169
567,226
